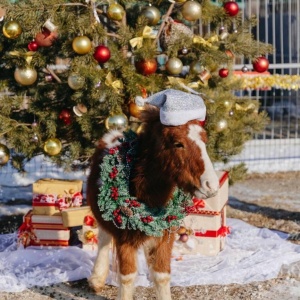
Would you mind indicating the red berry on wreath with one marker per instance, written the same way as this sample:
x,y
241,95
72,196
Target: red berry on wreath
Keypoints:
x,y
223,72
102,54
261,64
231,8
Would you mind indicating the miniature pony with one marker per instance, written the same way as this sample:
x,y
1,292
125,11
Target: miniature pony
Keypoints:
x,y
166,158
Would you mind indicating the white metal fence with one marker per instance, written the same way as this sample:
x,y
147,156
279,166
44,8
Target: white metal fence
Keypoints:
x,y
277,147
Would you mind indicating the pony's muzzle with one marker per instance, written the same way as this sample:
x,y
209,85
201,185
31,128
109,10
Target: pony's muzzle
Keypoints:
x,y
209,186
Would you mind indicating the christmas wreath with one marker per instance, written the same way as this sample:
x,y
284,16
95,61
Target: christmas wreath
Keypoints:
x,y
125,211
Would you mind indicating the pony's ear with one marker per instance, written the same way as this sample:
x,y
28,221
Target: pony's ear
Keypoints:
x,y
150,113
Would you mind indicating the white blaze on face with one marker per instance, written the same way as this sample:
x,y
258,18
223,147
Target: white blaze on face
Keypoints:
x,y
209,179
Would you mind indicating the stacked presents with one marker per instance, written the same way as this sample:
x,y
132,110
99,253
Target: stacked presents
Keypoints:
x,y
204,229
56,210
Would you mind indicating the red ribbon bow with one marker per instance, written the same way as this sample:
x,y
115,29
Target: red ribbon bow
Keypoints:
x,y
89,221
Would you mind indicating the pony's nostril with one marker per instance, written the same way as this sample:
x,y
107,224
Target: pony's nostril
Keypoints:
x,y
206,185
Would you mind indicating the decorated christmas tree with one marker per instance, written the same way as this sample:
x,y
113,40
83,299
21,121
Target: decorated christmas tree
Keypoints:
x,y
71,70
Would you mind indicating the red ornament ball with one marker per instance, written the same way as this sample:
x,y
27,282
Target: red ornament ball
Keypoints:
x,y
261,64
146,66
223,72
65,114
33,46
231,8
102,54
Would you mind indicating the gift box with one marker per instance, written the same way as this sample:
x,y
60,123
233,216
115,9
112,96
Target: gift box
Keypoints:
x,y
51,196
213,204
43,230
202,234
75,216
88,235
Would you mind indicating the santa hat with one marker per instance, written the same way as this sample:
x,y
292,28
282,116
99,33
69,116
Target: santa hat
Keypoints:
x,y
177,107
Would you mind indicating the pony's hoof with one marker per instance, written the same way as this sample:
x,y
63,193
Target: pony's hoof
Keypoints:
x,y
96,284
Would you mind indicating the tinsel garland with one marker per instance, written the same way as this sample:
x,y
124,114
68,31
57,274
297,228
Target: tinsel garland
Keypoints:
x,y
276,81
125,211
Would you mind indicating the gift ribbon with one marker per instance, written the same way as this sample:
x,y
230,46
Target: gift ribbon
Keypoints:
x,y
27,55
223,231
245,108
89,221
138,41
207,43
115,84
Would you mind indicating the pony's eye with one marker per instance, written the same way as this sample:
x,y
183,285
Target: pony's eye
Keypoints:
x,y
178,145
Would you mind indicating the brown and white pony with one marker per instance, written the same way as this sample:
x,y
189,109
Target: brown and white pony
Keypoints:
x,y
167,156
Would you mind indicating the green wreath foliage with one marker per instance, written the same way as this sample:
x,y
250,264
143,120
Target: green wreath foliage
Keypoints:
x,y
125,211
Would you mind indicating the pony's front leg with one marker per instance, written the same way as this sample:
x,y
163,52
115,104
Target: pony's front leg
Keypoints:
x,y
127,256
158,253
101,265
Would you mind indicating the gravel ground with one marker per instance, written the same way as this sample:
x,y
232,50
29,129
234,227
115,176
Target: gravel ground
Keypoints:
x,y
268,200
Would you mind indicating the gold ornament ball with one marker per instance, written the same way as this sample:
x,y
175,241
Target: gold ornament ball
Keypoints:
x,y
52,146
82,45
88,235
115,12
135,110
26,76
4,154
174,66
191,10
180,1
116,121
221,125
12,29
152,14
196,67
76,81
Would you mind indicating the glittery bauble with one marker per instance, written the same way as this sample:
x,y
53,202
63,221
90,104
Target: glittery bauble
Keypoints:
x,y
52,146
152,14
12,29
82,45
135,110
102,54
180,1
116,121
4,154
89,235
174,66
231,8
26,76
65,114
196,67
261,64
221,125
76,81
223,73
146,66
191,10
33,46
245,69
115,12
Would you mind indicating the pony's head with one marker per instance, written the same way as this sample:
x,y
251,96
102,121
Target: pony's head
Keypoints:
x,y
178,154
